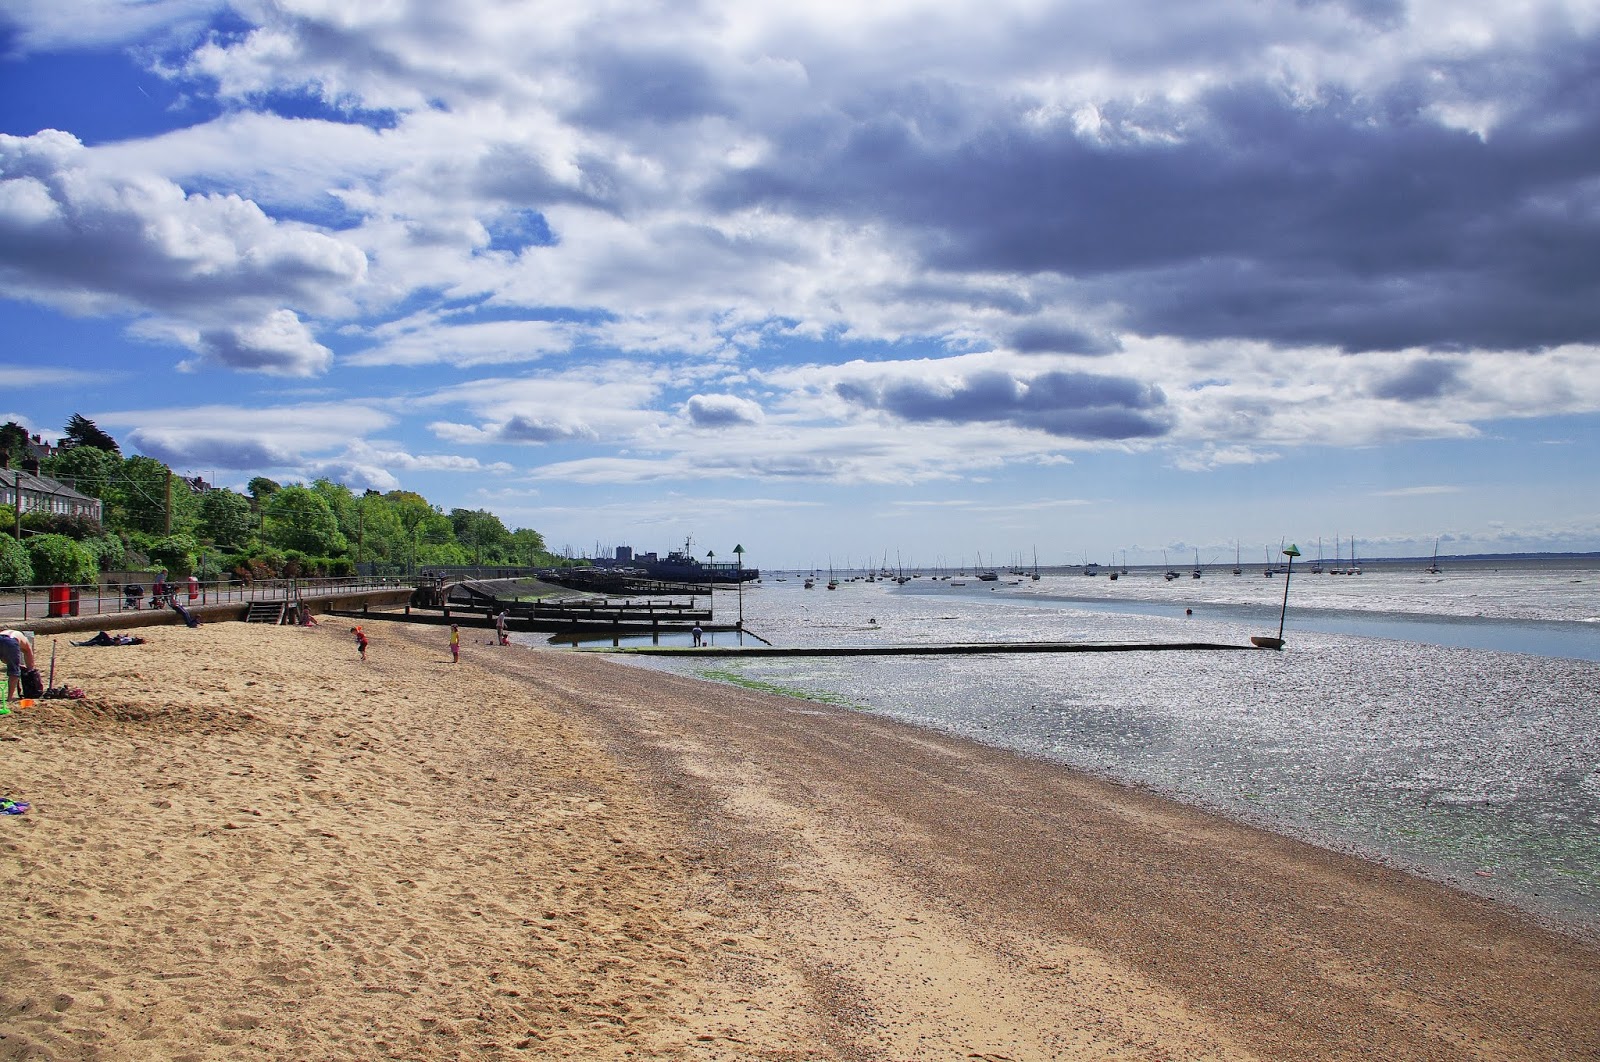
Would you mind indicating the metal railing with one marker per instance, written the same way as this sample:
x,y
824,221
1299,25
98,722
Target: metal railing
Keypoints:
x,y
21,603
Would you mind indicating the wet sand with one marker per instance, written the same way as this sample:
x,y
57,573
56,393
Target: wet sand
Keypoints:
x,y
245,843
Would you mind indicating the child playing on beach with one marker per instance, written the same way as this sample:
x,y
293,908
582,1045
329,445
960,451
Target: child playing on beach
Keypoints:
x,y
361,642
455,644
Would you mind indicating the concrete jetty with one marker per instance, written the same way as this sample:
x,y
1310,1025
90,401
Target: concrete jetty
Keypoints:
x,y
935,649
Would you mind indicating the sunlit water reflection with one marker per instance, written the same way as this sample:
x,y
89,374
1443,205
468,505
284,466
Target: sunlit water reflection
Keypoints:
x,y
1476,766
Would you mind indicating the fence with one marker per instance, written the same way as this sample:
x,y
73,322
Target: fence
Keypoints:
x,y
21,603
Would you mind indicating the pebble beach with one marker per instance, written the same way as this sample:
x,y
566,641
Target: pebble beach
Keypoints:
x,y
246,843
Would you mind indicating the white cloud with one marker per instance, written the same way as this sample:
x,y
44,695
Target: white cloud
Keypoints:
x,y
43,24
279,345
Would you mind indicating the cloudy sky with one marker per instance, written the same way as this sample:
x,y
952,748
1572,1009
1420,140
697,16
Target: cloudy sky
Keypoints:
x,y
830,280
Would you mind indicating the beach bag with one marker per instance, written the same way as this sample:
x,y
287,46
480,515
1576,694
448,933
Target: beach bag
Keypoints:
x,y
32,684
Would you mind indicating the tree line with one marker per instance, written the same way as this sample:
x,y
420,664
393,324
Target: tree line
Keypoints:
x,y
152,519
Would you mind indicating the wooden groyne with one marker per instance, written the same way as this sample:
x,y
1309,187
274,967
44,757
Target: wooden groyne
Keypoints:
x,y
942,649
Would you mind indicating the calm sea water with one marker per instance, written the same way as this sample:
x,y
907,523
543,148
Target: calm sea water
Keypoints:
x,y
1448,724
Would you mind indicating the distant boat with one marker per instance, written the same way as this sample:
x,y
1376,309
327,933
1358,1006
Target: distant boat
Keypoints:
x,y
1433,566
1036,564
1196,573
986,575
1171,572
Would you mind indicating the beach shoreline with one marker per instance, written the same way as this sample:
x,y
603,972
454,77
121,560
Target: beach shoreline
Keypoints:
x,y
245,843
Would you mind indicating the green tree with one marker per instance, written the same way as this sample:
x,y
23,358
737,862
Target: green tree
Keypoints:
x,y
225,519
138,496
382,537
346,508
481,535
84,432
422,525
261,488
298,518
14,443
85,469
16,567
527,547
58,559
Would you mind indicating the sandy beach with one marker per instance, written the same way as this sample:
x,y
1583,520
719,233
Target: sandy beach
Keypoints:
x,y
245,843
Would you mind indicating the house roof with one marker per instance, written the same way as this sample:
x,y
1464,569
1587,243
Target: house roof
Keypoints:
x,y
32,483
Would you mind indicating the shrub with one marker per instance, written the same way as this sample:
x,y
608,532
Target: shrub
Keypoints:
x,y
16,567
77,528
58,559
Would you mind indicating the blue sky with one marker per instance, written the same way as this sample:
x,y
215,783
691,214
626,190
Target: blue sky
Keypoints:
x,y
925,279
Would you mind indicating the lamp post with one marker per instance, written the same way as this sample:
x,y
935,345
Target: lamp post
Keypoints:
x,y
738,555
711,569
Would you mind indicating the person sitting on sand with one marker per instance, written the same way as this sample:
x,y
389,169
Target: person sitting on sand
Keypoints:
x,y
104,638
361,642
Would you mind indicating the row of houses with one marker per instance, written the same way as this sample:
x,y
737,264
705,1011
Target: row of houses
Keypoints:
x,y
26,491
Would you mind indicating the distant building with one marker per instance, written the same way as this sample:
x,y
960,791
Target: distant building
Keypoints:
x,y
28,492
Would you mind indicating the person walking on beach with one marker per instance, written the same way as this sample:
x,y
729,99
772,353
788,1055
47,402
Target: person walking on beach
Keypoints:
x,y
361,642
455,643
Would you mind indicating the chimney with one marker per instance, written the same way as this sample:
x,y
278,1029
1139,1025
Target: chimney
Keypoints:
x,y
30,465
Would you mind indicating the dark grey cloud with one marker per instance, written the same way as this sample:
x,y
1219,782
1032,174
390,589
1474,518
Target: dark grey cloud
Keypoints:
x,y
194,449
1059,339
513,174
721,411
1363,223
1423,379
1067,404
651,87
525,429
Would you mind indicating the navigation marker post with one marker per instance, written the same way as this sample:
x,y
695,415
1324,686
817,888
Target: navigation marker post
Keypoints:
x,y
1277,643
738,555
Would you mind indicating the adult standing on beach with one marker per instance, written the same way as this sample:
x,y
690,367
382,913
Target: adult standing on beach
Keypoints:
x,y
455,643
699,636
500,627
11,653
